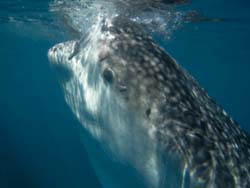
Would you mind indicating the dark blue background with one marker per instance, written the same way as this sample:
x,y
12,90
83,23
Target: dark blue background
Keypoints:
x,y
217,54
40,144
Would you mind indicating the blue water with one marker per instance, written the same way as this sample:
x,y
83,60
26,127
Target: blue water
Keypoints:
x,y
40,143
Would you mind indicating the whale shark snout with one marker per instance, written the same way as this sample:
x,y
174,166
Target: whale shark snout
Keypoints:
x,y
62,69
59,53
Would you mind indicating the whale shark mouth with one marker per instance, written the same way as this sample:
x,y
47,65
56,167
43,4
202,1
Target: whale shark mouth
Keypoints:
x,y
64,74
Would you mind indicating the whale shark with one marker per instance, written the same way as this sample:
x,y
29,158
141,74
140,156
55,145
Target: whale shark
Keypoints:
x,y
147,122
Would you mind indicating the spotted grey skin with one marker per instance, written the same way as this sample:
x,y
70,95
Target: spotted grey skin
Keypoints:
x,y
152,108
189,123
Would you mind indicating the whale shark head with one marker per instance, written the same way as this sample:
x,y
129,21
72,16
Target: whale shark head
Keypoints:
x,y
109,78
146,112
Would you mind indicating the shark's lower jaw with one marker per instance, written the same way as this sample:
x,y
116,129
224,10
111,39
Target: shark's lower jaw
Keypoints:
x,y
64,74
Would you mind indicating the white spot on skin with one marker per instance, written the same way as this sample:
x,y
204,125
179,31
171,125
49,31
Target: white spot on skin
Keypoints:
x,y
153,63
195,93
224,112
133,42
152,131
160,77
166,90
146,57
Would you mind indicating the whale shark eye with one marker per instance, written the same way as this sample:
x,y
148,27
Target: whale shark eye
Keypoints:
x,y
148,112
108,75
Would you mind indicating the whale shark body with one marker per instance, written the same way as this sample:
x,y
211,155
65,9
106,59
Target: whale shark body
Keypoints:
x,y
148,122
